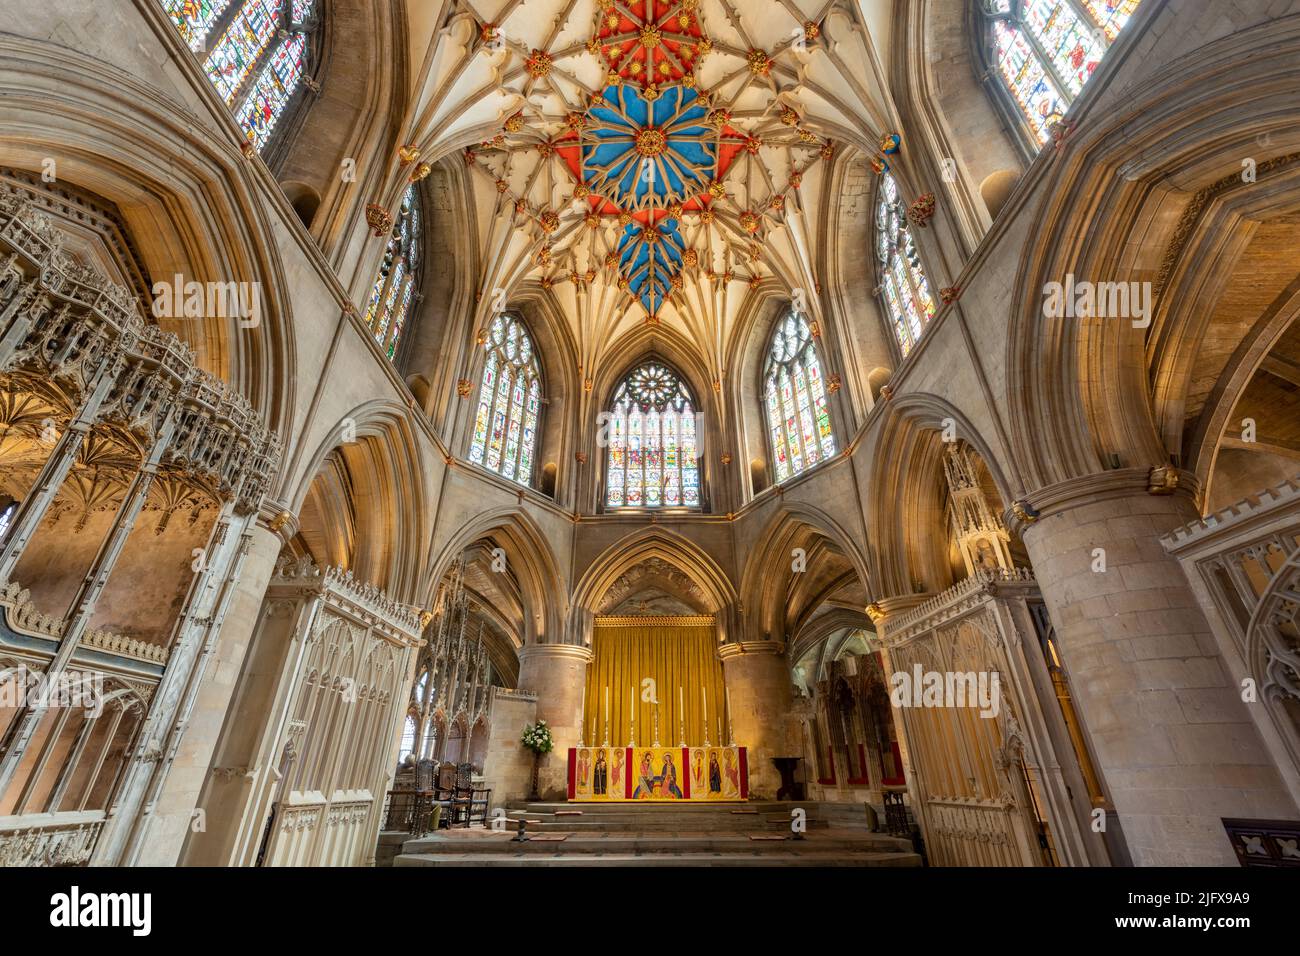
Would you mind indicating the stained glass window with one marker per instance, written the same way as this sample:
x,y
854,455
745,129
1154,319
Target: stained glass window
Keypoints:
x,y
194,19
258,61
509,402
653,442
408,738
798,414
1046,50
903,285
395,287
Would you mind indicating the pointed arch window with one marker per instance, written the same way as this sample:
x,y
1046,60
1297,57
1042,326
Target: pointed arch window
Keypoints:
x,y
1045,51
903,285
259,57
509,402
398,281
798,414
653,442
409,732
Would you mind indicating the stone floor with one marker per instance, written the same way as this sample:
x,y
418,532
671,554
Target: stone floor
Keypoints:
x,y
745,834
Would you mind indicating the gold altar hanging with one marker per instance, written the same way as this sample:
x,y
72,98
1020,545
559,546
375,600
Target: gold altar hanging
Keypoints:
x,y
679,654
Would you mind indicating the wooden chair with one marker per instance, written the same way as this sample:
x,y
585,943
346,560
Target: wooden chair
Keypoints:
x,y
444,792
470,804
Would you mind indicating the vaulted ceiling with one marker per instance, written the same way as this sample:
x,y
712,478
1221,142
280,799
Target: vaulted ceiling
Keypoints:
x,y
648,161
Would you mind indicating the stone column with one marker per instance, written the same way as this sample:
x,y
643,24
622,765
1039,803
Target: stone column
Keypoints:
x,y
1169,730
31,512
557,674
83,606
160,789
761,699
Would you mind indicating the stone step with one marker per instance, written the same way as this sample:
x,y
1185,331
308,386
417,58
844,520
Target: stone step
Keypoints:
x,y
486,843
685,834
758,858
564,824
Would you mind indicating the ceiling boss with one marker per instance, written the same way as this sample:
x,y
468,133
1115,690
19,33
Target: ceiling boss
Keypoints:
x,y
671,181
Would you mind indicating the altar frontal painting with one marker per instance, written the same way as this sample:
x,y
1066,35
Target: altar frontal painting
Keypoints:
x,y
658,774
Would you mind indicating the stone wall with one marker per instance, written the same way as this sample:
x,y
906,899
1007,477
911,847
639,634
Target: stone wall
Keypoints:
x,y
508,767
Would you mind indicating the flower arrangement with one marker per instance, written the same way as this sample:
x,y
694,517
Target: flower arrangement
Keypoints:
x,y
537,738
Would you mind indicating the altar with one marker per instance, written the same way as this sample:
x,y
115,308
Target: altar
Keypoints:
x,y
619,774
654,679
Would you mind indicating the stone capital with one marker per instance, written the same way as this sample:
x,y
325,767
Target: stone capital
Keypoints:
x,y
276,517
739,648
555,652
1072,493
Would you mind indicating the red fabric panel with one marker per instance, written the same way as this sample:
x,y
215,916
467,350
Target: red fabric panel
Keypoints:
x,y
744,773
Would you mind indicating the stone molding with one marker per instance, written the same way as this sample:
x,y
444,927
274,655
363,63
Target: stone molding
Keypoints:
x,y
1101,486
25,618
962,597
343,592
558,651
1261,505
740,648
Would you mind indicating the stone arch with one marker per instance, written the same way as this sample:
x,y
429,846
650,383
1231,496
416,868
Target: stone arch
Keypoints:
x,y
1081,393
351,114
715,588
947,112
530,558
905,492
364,500
672,351
819,628
187,198
776,598
745,388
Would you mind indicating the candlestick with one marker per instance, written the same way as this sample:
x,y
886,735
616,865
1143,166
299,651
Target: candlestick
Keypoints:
x,y
731,726
704,714
631,717
582,724
655,715
681,717
606,715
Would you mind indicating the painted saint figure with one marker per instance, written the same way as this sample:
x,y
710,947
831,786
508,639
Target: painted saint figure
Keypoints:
x,y
646,779
583,766
733,774
618,773
715,773
668,779
600,775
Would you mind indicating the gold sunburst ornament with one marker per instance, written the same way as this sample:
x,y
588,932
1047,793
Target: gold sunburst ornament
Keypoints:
x,y
539,64
651,142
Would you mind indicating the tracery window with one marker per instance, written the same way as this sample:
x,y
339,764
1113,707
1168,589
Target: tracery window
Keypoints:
x,y
260,56
408,738
653,439
902,279
399,277
505,423
798,415
1046,50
